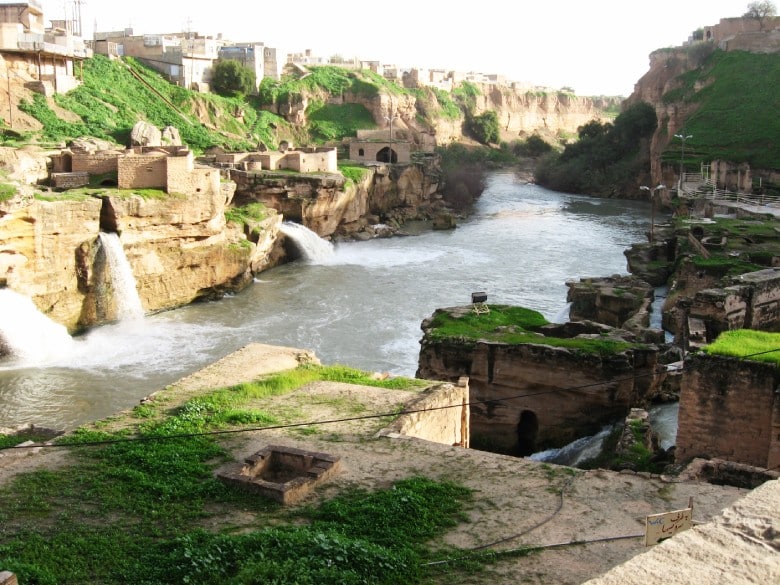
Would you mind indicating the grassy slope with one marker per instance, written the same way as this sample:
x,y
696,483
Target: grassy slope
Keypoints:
x,y
111,100
151,510
736,117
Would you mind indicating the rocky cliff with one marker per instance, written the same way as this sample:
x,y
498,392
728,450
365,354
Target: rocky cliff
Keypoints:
x,y
521,113
682,82
530,396
180,250
333,206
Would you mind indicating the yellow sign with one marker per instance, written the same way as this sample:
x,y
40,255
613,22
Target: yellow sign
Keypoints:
x,y
659,527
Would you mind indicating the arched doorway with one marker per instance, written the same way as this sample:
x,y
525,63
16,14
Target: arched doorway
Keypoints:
x,y
387,155
527,431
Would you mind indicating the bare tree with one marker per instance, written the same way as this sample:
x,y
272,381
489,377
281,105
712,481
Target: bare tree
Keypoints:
x,y
761,11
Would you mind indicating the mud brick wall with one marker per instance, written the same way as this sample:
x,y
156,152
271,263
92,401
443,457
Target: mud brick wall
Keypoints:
x,y
729,409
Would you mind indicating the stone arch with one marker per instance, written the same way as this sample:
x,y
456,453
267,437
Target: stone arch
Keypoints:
x,y
387,155
361,152
527,431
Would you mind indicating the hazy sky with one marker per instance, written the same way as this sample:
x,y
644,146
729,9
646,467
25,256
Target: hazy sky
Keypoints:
x,y
597,47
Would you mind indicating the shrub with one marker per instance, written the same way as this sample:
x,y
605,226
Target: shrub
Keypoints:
x,y
231,78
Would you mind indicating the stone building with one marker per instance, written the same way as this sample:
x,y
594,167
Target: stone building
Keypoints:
x,y
185,58
255,56
49,58
169,168
372,151
729,409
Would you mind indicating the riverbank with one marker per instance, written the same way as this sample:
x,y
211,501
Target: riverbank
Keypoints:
x,y
517,502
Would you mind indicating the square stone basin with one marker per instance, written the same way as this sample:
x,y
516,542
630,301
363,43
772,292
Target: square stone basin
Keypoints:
x,y
284,474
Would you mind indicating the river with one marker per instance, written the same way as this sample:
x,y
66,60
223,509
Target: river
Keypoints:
x,y
362,306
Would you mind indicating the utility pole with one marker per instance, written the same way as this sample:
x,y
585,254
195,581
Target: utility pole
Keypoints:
x,y
390,119
683,138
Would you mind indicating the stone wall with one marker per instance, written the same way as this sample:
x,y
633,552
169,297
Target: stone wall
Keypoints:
x,y
729,409
373,151
729,30
143,171
303,160
440,414
529,397
64,181
95,164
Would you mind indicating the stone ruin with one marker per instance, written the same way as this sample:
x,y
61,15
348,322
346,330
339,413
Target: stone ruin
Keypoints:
x,y
283,474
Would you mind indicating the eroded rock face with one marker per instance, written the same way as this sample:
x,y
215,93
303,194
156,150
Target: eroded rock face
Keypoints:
x,y
47,249
171,136
179,247
610,300
26,165
530,396
331,206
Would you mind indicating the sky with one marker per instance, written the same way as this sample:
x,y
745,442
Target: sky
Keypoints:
x,y
596,47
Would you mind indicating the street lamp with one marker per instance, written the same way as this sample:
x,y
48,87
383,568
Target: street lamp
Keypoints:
x,y
683,138
390,119
652,205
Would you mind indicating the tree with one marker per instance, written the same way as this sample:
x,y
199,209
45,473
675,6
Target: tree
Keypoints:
x,y
761,11
485,127
232,79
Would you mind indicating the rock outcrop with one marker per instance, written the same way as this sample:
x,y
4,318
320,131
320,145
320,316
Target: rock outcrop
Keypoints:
x,y
617,301
145,134
332,206
531,396
180,250
521,112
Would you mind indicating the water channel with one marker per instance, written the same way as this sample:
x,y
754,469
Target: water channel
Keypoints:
x,y
362,306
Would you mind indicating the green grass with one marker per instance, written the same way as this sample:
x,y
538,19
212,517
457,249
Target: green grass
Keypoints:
x,y
749,344
151,510
77,195
111,100
514,326
249,213
735,111
331,122
7,192
353,173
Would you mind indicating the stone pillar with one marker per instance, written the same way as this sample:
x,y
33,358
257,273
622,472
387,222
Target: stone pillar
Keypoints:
x,y
465,414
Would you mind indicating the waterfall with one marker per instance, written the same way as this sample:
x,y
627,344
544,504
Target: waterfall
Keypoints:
x,y
26,333
577,451
312,247
128,303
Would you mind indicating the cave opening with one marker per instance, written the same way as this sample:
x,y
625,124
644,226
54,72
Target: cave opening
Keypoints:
x,y
527,431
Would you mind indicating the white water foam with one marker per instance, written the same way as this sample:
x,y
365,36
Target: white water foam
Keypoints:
x,y
577,451
312,247
30,336
128,303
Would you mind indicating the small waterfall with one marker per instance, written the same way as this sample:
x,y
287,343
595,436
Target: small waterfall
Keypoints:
x,y
27,334
312,247
128,303
577,451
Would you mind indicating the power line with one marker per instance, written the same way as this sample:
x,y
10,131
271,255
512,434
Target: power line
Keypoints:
x,y
153,438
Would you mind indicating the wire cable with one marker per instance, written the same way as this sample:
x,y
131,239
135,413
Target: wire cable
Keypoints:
x,y
151,438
